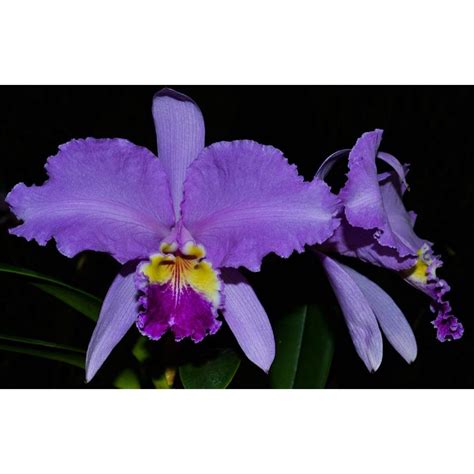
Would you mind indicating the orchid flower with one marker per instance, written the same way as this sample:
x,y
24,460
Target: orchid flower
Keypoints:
x,y
181,224
376,228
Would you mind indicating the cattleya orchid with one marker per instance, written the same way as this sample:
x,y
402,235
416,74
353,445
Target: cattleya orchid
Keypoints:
x,y
376,228
180,223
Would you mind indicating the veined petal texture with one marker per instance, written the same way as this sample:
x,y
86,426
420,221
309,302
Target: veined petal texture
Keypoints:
x,y
366,230
359,316
247,319
389,316
401,221
107,195
180,135
118,313
243,200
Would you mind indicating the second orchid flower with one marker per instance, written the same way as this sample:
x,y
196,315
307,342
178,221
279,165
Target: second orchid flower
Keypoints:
x,y
376,228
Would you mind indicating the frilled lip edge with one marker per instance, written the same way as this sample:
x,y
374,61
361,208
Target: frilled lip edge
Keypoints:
x,y
200,329
448,327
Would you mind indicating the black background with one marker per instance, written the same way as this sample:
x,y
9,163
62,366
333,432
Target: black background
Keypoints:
x,y
429,127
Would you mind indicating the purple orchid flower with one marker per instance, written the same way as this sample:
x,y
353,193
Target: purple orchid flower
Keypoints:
x,y
376,228
180,224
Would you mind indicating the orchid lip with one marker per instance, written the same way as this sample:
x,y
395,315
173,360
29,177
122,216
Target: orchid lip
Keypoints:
x,y
181,293
423,277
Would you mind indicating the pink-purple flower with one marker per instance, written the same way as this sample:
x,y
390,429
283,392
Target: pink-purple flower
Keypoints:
x,y
376,228
181,224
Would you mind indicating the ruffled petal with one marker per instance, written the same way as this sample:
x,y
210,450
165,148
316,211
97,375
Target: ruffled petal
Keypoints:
x,y
180,135
360,243
359,316
363,205
366,229
360,194
118,313
243,200
247,319
389,316
107,195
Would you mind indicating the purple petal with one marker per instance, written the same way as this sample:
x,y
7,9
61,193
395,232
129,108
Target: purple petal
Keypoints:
x,y
366,230
332,159
106,195
243,200
180,135
400,169
118,313
247,319
401,221
359,316
361,196
360,243
389,316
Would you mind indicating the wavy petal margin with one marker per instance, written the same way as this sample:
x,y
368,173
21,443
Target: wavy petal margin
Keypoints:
x,y
107,195
244,200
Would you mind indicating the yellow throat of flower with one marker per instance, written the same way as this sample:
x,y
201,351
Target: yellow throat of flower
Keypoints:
x,y
419,272
184,268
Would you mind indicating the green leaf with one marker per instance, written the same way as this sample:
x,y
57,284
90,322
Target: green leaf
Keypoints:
x,y
43,349
87,304
166,379
304,351
141,350
127,378
216,372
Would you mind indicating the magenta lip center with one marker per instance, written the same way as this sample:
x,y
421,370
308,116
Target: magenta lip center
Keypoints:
x,y
173,295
